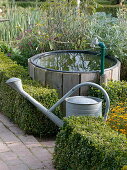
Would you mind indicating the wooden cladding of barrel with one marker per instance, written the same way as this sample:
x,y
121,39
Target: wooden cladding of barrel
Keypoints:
x,y
63,81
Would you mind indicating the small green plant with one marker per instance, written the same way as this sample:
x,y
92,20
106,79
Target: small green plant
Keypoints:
x,y
31,44
13,53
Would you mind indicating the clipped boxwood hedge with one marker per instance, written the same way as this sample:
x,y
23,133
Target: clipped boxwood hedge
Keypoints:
x,y
87,143
17,108
117,91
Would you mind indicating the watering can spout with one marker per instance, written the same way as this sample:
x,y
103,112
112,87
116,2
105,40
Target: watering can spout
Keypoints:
x,y
16,84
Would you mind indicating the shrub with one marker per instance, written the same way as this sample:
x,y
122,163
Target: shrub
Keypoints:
x,y
88,143
17,108
123,71
116,90
14,53
32,44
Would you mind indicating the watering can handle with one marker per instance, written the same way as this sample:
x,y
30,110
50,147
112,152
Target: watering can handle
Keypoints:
x,y
85,84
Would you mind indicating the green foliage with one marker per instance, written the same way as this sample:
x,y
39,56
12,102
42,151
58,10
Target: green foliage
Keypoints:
x,y
123,71
60,26
88,143
30,45
105,2
17,108
14,53
59,29
27,4
111,31
116,90
109,9
108,2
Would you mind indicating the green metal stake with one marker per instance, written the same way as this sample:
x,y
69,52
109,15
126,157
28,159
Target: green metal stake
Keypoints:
x,y
103,47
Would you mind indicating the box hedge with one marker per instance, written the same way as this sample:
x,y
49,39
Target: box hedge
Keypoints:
x,y
117,91
87,143
17,108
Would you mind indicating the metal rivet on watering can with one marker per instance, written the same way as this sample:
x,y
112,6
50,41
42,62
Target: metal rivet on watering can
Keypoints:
x,y
80,105
83,106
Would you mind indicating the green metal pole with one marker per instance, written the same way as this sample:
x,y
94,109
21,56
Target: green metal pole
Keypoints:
x,y
103,48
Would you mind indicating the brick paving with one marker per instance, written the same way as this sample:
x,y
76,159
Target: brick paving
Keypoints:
x,y
19,151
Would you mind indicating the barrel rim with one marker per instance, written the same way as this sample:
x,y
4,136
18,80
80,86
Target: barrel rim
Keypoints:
x,y
32,60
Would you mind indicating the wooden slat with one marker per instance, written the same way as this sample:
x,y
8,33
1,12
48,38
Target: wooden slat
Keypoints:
x,y
119,68
108,74
31,69
29,66
115,74
69,81
54,80
40,75
88,77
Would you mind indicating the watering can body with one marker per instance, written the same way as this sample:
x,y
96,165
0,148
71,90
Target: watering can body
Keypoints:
x,y
83,106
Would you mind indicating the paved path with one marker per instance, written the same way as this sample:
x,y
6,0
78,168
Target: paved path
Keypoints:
x,y
23,152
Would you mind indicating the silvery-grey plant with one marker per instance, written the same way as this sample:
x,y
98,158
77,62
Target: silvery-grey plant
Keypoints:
x,y
110,30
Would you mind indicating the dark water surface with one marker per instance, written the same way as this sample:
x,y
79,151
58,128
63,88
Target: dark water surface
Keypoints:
x,y
73,62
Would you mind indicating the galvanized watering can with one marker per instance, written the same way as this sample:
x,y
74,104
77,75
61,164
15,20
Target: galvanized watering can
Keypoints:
x,y
76,105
